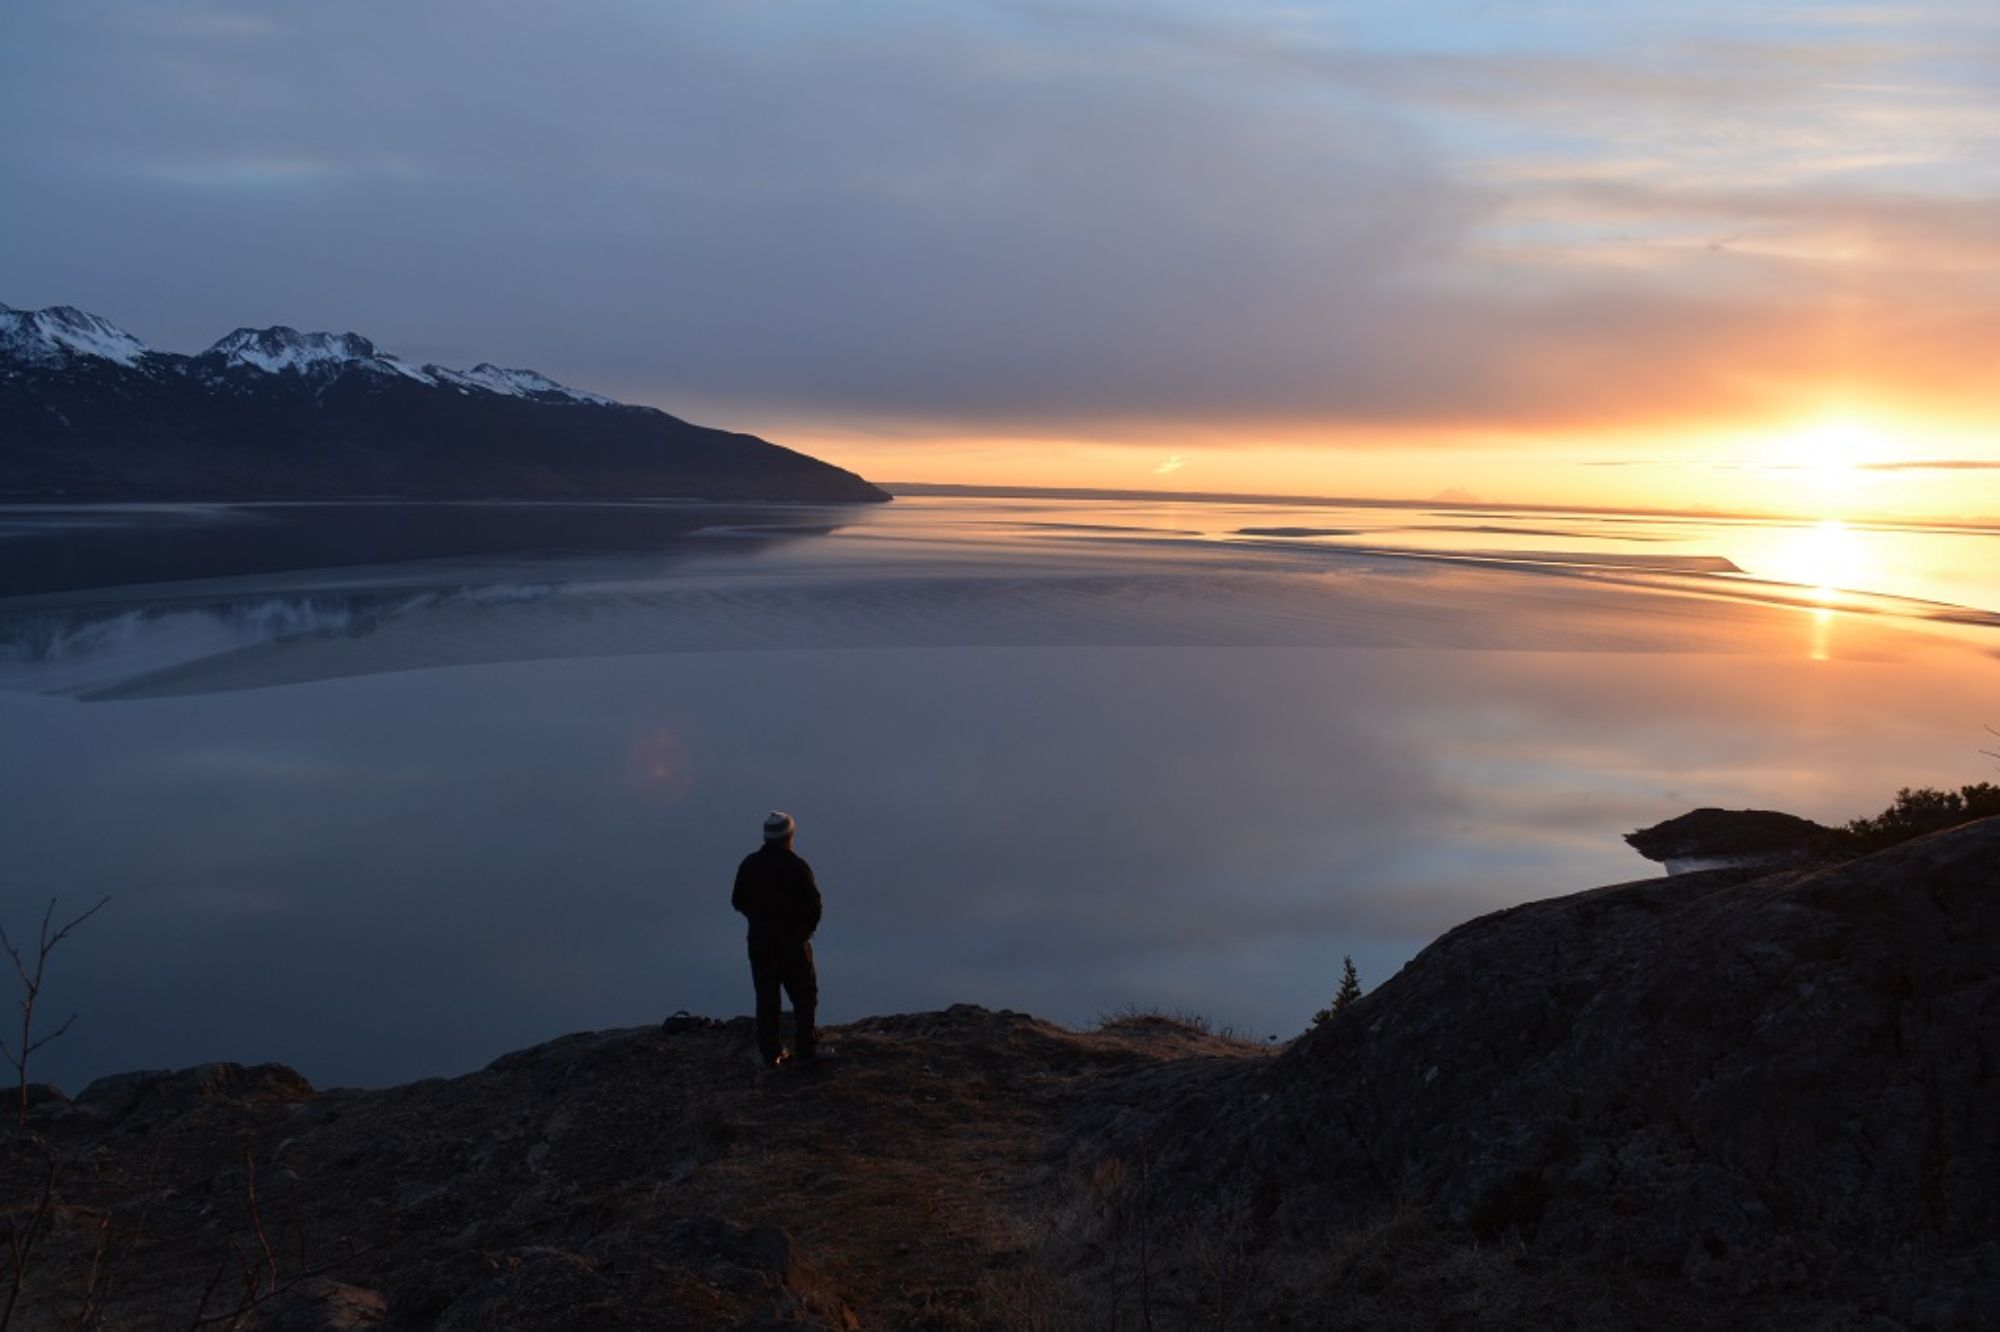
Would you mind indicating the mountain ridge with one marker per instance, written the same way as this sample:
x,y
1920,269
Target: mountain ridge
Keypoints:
x,y
89,413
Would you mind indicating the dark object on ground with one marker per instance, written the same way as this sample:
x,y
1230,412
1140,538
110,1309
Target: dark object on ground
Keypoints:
x,y
776,892
1751,837
88,413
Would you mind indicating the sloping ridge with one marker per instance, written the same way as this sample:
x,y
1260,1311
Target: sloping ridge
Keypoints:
x,y
88,413
1748,1082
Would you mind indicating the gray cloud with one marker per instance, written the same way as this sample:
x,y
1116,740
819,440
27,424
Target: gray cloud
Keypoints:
x,y
1010,217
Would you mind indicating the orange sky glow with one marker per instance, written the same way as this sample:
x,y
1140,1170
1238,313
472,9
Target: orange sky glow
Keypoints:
x,y
1686,255
1836,464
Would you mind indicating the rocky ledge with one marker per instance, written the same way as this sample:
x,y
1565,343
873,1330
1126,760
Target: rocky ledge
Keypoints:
x,y
1731,1099
1711,838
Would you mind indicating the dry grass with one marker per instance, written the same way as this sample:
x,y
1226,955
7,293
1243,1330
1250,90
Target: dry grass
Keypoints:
x,y
1142,1020
956,1171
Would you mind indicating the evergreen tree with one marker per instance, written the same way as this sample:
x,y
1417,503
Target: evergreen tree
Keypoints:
x,y
1349,991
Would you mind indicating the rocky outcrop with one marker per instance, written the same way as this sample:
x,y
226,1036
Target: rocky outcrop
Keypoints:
x,y
1781,1085
131,1100
1725,838
655,1177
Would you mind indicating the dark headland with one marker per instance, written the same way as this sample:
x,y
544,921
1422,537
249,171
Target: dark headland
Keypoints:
x,y
1738,1098
88,413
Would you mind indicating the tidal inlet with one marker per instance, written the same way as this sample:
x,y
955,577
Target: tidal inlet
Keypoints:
x,y
707,667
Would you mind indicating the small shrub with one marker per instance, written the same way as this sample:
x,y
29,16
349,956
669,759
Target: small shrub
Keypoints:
x,y
1918,811
1349,991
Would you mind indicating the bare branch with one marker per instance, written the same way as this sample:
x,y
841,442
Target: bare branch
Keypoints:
x,y
63,933
31,989
256,1213
44,1040
100,1256
206,1294
98,1293
27,1243
15,953
248,1306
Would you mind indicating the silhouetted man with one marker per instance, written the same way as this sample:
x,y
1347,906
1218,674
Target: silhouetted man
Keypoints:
x,y
776,891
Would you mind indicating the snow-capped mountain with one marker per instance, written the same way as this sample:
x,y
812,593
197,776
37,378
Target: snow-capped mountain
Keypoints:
x,y
48,337
515,383
44,338
280,350
87,411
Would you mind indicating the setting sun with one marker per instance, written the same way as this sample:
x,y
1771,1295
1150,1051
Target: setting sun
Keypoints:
x,y
1833,454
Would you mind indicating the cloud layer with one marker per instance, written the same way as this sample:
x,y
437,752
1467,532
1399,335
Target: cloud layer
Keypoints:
x,y
1024,217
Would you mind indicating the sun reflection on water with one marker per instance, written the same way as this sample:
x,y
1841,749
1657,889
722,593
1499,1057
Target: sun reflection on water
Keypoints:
x,y
1827,560
1826,557
1822,634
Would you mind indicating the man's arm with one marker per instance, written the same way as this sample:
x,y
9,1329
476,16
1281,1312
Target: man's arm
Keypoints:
x,y
810,904
738,896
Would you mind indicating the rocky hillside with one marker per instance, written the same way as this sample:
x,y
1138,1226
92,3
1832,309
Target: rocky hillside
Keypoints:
x,y
1777,1090
88,412
652,1178
1718,1100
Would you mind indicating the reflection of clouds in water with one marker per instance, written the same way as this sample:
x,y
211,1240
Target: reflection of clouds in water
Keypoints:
x,y
1163,773
225,764
989,574
89,647
1062,830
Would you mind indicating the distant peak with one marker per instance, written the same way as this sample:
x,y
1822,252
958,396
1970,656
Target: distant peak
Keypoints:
x,y
61,331
282,350
516,384
279,343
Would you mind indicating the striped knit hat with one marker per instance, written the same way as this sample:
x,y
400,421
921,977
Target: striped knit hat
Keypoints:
x,y
778,826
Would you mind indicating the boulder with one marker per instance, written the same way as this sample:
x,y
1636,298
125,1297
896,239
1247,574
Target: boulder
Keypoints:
x,y
157,1094
1711,838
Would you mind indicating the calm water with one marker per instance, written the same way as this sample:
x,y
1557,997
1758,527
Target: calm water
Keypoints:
x,y
380,799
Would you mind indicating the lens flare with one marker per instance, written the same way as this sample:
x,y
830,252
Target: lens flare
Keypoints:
x,y
659,768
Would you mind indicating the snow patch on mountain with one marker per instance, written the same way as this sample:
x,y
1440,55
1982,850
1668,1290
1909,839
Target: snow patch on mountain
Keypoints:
x,y
280,350
491,378
48,336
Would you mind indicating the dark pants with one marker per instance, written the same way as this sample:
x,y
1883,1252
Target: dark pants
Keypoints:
x,y
789,966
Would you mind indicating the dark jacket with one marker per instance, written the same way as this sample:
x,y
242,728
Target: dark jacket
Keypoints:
x,y
776,890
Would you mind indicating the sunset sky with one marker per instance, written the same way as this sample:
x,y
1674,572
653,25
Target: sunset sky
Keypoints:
x,y
1731,255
